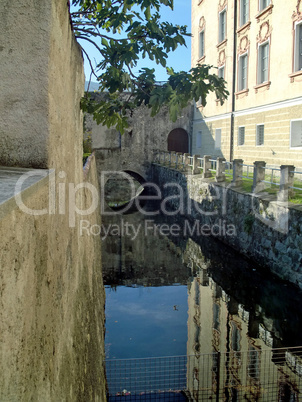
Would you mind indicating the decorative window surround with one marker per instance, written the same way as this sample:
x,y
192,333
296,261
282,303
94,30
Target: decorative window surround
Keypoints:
x,y
268,10
294,76
265,85
243,92
247,25
222,43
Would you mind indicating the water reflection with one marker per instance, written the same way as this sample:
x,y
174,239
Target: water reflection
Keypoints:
x,y
224,304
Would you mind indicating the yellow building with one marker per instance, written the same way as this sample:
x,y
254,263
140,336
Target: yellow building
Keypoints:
x,y
256,46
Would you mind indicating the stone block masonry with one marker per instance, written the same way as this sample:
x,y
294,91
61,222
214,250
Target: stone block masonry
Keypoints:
x,y
267,231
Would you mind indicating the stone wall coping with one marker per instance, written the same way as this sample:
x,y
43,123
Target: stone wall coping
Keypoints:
x,y
8,179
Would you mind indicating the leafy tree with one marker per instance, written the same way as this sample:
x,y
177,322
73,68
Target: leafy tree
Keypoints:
x,y
123,32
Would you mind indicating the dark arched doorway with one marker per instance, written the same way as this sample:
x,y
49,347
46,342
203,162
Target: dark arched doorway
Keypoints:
x,y
178,141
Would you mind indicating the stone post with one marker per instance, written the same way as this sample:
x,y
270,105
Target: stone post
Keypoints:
x,y
186,161
220,169
286,181
173,159
258,176
196,163
179,157
237,171
206,167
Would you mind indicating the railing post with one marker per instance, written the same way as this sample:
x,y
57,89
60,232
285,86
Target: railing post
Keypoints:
x,y
173,159
195,169
237,171
286,181
206,167
178,158
186,161
258,176
218,376
220,169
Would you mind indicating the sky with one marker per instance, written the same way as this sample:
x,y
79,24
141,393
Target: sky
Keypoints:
x,y
178,60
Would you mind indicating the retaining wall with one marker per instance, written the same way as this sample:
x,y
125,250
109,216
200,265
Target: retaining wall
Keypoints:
x,y
267,231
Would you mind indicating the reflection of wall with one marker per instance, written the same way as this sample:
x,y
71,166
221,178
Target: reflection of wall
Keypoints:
x,y
218,323
148,260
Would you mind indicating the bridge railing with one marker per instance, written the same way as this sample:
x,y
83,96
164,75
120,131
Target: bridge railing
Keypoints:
x,y
284,182
253,374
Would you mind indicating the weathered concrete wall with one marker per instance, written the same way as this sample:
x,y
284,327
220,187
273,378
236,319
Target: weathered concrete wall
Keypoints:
x,y
52,303
260,228
52,296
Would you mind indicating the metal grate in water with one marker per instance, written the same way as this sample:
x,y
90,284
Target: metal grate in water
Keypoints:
x,y
252,375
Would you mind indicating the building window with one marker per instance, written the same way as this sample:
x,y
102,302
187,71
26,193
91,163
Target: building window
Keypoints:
x,y
221,72
218,138
263,4
263,62
298,47
222,26
241,135
244,12
198,139
260,134
242,73
201,44
296,133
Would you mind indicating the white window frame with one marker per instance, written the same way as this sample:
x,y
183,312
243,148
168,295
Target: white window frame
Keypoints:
x,y
221,72
241,143
298,47
241,85
292,122
222,25
198,139
218,138
244,17
201,50
263,4
260,78
257,135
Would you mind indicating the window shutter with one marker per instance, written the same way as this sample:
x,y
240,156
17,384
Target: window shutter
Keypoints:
x,y
260,134
241,135
296,134
218,138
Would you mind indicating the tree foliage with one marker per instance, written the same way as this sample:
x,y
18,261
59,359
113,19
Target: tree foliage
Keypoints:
x,y
123,32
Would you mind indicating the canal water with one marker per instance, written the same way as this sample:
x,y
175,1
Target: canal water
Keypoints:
x,y
170,293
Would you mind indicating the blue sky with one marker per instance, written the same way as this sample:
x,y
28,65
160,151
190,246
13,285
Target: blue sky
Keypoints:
x,y
179,60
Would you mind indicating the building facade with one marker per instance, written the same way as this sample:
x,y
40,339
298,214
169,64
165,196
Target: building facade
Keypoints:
x,y
256,46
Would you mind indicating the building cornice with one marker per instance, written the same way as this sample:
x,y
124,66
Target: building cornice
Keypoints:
x,y
270,106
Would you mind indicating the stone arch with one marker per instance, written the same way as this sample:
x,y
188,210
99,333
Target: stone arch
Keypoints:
x,y
178,140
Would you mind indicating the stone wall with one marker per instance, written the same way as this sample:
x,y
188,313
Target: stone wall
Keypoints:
x,y
259,227
52,295
134,149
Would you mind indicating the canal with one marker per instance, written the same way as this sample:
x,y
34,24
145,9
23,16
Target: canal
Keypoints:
x,y
173,294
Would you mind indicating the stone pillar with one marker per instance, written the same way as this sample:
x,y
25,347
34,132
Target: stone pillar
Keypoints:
x,y
206,167
220,168
196,164
258,176
173,159
186,161
237,171
286,181
178,160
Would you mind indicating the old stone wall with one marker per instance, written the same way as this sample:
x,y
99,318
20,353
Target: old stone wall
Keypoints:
x,y
259,227
52,302
52,295
134,149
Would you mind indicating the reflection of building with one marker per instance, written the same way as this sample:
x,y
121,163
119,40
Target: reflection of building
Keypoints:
x,y
230,348
257,48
